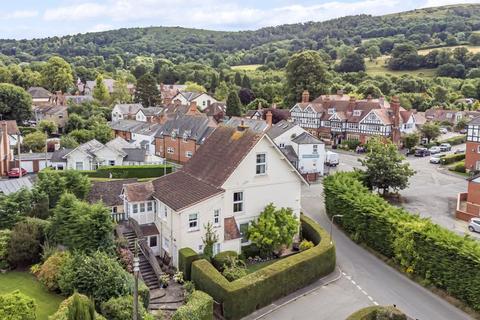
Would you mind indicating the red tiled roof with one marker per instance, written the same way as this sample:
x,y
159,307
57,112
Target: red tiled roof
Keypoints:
x,y
230,227
139,191
11,126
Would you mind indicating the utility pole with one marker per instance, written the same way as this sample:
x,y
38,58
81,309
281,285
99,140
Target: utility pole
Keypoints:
x,y
46,149
18,151
331,225
136,269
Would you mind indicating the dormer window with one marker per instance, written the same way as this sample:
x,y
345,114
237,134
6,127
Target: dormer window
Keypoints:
x,y
174,134
185,137
357,113
331,110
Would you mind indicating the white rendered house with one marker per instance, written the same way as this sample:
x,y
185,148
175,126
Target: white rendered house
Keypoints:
x,y
228,183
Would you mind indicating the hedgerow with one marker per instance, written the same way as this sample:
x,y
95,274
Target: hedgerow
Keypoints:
x,y
378,312
198,307
451,158
186,256
441,257
247,294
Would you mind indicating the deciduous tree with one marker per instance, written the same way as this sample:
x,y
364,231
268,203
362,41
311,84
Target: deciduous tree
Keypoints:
x,y
57,75
147,92
35,141
15,103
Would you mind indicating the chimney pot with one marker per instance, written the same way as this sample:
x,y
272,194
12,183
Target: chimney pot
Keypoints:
x,y
305,96
269,118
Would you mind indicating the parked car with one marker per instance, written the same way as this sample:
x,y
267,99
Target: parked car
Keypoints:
x,y
445,147
15,173
463,131
443,130
474,225
436,158
459,151
331,159
435,150
422,152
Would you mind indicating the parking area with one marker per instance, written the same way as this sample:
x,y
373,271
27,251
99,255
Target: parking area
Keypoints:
x,y
432,191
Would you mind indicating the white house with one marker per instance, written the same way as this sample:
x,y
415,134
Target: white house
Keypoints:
x,y
228,182
306,152
125,111
202,99
91,155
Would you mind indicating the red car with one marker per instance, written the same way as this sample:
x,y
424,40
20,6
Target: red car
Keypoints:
x,y
15,173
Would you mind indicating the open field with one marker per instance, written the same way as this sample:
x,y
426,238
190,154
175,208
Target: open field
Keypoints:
x,y
473,49
247,67
378,68
47,302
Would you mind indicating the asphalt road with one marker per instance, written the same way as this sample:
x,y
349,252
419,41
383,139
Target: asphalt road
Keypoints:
x,y
365,281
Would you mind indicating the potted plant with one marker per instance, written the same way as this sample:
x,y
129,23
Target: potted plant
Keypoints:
x,y
164,279
178,277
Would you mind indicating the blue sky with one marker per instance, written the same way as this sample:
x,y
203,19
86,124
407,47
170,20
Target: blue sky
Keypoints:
x,y
40,18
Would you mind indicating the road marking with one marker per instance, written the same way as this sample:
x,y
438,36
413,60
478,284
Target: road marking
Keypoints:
x,y
360,288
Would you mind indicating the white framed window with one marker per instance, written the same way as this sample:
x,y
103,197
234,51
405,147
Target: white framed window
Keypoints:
x,y
185,137
261,164
153,241
142,207
193,221
331,110
216,248
188,154
165,213
111,162
477,165
114,209
79,165
238,201
478,149
135,208
282,145
216,217
170,150
357,113
150,206
315,148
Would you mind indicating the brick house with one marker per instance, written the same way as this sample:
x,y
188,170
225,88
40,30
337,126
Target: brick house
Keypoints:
x,y
468,203
6,153
340,117
179,139
472,151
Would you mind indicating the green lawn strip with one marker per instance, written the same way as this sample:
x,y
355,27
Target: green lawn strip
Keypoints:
x,y
257,266
47,302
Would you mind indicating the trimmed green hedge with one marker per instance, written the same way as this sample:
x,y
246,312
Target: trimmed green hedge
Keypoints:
x,y
124,172
186,256
439,256
378,312
451,158
221,258
454,140
258,289
199,307
458,167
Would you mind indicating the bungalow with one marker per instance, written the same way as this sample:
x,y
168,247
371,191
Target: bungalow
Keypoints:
x,y
151,114
126,111
227,183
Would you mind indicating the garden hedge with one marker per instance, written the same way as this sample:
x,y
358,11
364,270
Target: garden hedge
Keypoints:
x,y
186,256
454,140
451,158
458,167
198,307
124,172
258,289
441,257
378,312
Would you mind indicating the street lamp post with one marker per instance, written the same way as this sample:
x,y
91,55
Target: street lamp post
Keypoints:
x,y
331,225
136,269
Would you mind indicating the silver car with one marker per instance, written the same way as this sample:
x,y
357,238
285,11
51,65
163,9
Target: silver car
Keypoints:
x,y
474,225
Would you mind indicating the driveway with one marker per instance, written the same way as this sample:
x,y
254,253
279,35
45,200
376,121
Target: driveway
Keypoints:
x,y
432,191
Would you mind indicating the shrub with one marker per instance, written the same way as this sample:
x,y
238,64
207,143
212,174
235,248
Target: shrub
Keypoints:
x,y
451,158
4,239
250,251
125,257
350,144
27,236
458,167
378,313
186,256
49,272
305,245
234,269
222,258
121,308
178,277
98,276
124,172
16,305
188,288
198,307
77,306
243,296
441,257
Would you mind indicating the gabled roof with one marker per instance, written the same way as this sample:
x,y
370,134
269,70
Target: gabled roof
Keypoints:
x,y
29,156
216,160
128,108
141,191
475,121
125,125
230,228
290,153
39,93
151,111
280,128
190,95
135,154
118,144
215,108
59,155
306,138
256,125
108,192
13,185
193,127
147,129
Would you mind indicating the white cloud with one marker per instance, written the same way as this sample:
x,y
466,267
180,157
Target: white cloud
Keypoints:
x,y
76,12
101,27
436,3
19,14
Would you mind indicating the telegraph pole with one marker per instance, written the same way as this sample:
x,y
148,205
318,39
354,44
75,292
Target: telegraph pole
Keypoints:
x,y
18,151
136,269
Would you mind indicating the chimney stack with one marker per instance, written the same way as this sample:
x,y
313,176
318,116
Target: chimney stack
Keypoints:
x,y
269,118
305,96
351,104
395,105
340,92
381,101
193,109
242,127
369,97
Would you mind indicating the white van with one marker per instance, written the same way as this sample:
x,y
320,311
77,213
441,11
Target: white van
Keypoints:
x,y
331,159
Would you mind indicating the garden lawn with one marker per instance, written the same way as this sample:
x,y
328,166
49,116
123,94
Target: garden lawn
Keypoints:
x,y
47,302
251,268
378,67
